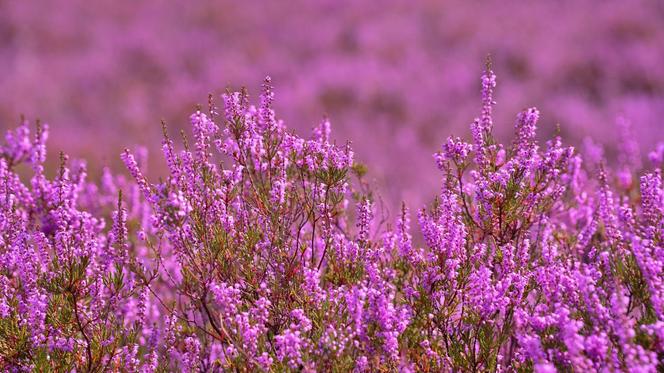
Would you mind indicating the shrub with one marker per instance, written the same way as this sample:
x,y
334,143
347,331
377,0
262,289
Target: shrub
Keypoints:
x,y
262,250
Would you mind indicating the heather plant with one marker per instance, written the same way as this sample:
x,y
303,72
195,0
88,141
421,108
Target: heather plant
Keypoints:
x,y
71,290
265,251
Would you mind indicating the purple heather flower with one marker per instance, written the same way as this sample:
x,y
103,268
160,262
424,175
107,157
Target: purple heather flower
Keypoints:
x,y
249,255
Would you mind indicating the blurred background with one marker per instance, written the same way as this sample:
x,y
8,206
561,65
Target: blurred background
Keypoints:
x,y
395,77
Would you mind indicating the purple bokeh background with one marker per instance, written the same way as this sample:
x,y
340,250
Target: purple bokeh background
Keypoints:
x,y
395,77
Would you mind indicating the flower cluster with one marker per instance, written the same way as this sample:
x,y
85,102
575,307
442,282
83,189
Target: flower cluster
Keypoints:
x,y
264,250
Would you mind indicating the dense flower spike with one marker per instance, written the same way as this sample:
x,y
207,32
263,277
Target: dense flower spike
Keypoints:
x,y
263,250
